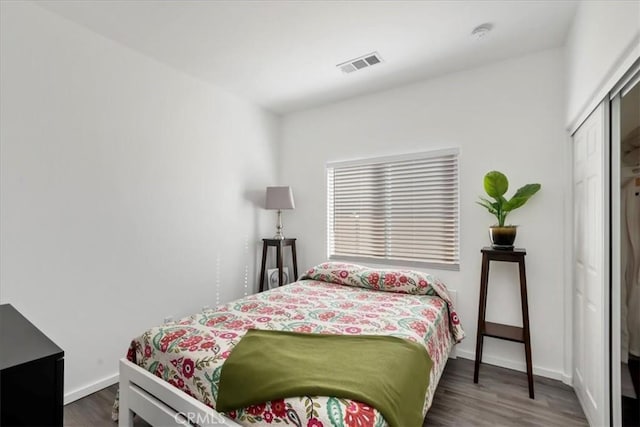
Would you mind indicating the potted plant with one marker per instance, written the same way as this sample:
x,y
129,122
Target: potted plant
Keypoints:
x,y
496,185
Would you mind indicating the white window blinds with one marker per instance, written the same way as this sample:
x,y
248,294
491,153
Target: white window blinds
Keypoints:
x,y
396,210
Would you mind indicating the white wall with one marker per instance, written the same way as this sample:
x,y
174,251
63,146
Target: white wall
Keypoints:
x,y
128,189
603,42
507,116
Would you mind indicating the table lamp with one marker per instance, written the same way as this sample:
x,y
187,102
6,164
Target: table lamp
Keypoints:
x,y
279,198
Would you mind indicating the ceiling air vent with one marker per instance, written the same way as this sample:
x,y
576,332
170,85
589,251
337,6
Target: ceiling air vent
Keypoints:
x,y
356,64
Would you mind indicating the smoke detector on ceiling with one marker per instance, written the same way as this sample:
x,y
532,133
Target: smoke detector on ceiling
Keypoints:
x,y
360,63
481,31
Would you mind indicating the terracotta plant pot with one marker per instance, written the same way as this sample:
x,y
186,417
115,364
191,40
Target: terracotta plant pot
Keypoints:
x,y
503,237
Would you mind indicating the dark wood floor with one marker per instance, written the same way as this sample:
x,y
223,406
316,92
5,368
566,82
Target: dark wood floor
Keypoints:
x,y
500,399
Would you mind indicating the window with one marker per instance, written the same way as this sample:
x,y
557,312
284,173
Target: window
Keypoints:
x,y
395,210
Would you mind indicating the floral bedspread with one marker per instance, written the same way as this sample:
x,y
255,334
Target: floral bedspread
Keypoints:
x,y
189,354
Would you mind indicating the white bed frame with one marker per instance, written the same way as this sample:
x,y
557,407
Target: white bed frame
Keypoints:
x,y
161,404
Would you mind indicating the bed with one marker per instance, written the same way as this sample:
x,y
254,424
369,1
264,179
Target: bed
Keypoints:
x,y
171,374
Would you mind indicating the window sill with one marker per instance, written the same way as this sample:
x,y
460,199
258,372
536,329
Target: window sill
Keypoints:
x,y
396,263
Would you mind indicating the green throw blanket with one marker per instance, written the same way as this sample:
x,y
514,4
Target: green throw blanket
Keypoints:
x,y
390,374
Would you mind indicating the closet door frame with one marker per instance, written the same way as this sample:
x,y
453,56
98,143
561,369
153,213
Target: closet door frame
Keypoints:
x,y
614,203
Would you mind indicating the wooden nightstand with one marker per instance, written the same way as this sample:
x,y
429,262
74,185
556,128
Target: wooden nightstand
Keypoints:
x,y
280,245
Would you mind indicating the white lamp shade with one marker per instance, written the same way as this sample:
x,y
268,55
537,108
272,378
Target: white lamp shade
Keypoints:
x,y
280,198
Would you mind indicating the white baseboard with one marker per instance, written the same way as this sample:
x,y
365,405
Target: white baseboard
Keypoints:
x,y
510,364
81,392
567,379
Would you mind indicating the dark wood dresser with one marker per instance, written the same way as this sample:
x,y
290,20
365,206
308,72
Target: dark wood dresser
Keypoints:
x,y
31,373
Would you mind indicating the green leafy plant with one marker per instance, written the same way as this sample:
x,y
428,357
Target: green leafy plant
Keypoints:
x,y
496,185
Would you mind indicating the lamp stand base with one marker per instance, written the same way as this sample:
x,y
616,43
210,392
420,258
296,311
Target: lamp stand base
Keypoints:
x,y
279,235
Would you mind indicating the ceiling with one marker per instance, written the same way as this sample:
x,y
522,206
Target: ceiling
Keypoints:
x,y
282,55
